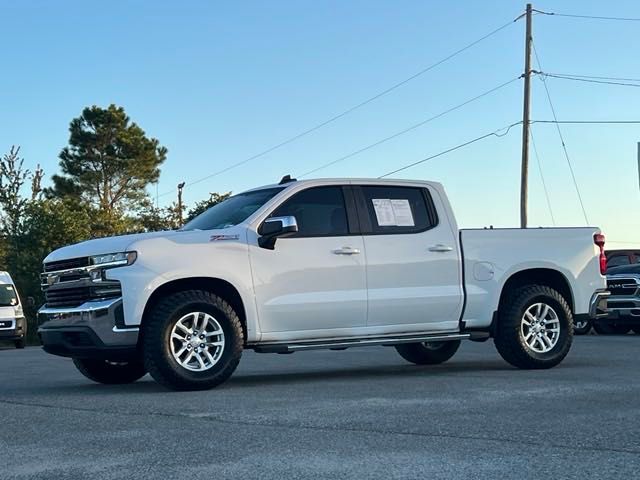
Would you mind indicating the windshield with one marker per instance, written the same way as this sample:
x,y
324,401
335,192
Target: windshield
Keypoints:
x,y
8,296
233,210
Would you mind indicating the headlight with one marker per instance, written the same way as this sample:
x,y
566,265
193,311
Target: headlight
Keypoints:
x,y
114,259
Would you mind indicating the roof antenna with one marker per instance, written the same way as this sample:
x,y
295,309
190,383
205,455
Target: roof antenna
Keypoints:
x,y
286,179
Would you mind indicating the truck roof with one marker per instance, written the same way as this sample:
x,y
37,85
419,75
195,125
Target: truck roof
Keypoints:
x,y
381,181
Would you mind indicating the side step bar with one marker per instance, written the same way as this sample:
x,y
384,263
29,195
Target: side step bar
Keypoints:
x,y
341,344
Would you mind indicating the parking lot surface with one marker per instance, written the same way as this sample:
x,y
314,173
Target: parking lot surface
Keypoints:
x,y
362,413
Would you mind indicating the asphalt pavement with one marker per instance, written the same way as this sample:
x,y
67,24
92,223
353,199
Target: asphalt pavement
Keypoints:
x,y
359,413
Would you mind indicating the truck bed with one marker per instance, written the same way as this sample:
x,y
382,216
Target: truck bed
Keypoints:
x,y
492,256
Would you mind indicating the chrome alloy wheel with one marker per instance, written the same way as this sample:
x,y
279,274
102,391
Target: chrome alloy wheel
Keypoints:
x,y
540,327
197,341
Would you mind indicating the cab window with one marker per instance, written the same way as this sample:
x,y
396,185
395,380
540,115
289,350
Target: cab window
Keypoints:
x,y
396,210
319,211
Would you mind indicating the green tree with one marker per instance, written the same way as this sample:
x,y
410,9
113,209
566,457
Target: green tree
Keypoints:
x,y
12,177
13,203
203,205
108,163
155,219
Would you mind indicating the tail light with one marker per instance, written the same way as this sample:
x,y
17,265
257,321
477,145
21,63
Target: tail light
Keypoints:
x,y
598,239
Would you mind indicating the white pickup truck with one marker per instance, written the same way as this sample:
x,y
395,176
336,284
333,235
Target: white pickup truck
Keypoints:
x,y
317,264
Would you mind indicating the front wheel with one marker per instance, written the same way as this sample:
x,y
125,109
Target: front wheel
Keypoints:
x,y
428,353
192,340
110,372
20,343
535,328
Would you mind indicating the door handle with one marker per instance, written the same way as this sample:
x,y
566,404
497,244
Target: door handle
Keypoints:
x,y
440,248
347,251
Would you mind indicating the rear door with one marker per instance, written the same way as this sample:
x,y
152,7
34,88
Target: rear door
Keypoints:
x,y
412,258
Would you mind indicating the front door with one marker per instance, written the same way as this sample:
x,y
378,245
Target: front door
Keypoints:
x,y
315,280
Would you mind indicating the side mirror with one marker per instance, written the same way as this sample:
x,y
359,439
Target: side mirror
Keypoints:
x,y
31,301
275,227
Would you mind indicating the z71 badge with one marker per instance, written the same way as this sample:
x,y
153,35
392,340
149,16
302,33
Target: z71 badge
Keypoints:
x,y
217,238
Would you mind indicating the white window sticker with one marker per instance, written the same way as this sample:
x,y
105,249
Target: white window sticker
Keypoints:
x,y
402,212
384,212
393,213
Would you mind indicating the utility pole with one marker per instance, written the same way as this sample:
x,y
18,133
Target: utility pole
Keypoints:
x,y
180,187
524,173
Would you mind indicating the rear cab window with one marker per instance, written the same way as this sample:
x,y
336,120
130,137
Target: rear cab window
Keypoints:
x,y
394,209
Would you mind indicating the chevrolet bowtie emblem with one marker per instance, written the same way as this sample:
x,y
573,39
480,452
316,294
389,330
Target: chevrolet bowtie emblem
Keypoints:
x,y
51,279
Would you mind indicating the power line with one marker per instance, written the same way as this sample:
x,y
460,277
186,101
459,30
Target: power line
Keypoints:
x,y
589,122
351,109
587,80
564,146
408,129
477,139
544,184
593,76
589,17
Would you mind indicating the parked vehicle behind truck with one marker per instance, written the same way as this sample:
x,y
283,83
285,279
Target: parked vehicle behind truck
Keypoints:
x,y
623,282
317,264
13,326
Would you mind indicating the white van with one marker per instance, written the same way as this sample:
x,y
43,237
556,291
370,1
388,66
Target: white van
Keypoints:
x,y
13,326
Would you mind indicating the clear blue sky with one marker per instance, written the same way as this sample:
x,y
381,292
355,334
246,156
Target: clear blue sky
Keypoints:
x,y
217,82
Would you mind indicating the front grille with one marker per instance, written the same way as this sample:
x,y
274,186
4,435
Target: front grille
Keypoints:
x,y
67,297
622,286
66,264
76,296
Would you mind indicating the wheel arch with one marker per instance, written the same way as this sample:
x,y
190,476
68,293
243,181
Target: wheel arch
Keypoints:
x,y
539,276
218,286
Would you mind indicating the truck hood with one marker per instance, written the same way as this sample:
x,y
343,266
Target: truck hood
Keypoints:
x,y
100,246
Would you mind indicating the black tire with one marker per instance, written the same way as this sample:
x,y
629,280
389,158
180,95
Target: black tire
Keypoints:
x,y
636,329
582,329
428,353
20,343
110,373
156,340
607,328
509,338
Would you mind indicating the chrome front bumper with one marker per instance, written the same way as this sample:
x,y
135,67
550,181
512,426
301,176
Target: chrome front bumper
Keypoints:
x,y
94,329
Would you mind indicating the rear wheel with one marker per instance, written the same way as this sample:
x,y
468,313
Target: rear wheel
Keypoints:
x,y
604,328
110,372
192,340
428,353
535,328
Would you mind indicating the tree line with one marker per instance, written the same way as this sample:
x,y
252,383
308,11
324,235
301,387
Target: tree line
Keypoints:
x,y
101,190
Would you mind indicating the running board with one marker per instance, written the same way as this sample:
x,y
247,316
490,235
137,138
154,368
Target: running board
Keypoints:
x,y
342,344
